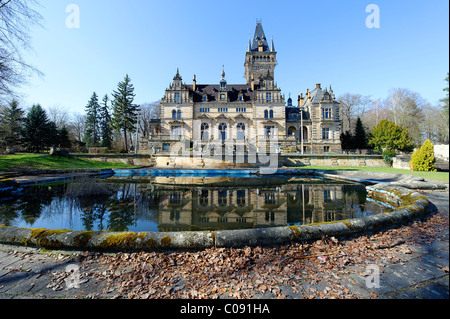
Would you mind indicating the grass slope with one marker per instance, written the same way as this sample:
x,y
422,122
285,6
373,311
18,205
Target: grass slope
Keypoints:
x,y
33,161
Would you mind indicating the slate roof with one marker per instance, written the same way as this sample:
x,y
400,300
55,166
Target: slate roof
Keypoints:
x,y
318,95
211,91
259,36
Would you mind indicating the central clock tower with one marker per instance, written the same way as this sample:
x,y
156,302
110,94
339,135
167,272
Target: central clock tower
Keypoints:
x,y
260,59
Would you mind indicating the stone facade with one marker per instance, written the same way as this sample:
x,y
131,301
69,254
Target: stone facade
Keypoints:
x,y
246,115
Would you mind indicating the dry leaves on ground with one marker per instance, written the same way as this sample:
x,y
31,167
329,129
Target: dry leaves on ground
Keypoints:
x,y
300,270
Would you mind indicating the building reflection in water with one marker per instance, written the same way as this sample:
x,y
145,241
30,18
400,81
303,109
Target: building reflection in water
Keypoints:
x,y
212,207
188,203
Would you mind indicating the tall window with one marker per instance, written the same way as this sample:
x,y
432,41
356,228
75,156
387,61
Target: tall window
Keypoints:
x,y
326,113
222,198
240,131
179,114
175,198
325,133
204,198
240,197
174,114
176,132
268,97
177,97
269,131
223,131
266,114
204,132
271,114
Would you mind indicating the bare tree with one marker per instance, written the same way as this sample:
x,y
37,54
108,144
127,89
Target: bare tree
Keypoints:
x,y
77,126
58,115
405,108
352,107
375,112
149,112
16,19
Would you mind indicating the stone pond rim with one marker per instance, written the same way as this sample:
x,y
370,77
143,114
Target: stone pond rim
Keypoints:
x,y
410,205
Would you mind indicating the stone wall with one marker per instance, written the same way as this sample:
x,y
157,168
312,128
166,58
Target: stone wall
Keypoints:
x,y
290,160
332,160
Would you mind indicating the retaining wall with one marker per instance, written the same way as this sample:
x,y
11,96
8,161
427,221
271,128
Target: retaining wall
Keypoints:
x,y
410,205
284,159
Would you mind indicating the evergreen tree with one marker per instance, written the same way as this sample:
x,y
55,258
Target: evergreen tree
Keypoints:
x,y
91,133
105,123
388,136
346,140
52,137
11,124
124,111
360,136
36,130
63,138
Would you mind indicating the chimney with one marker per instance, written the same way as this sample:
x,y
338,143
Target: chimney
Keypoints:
x,y
307,93
194,85
318,86
301,100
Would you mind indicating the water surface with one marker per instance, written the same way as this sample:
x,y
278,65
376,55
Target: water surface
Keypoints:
x,y
175,203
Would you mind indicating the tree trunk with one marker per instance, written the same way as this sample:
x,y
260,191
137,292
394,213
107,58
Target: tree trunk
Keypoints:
x,y
125,136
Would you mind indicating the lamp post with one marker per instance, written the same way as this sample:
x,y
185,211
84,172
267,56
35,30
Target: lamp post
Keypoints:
x,y
301,128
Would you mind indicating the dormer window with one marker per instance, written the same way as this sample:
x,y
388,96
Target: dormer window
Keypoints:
x,y
177,97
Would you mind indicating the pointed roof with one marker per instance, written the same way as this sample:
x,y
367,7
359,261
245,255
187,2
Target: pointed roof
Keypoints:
x,y
177,76
259,36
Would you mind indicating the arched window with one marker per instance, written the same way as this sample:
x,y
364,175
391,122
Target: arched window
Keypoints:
x,y
204,131
174,114
266,114
240,131
223,131
292,131
179,114
271,114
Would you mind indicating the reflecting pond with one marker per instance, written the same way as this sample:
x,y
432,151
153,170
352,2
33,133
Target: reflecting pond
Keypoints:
x,y
185,203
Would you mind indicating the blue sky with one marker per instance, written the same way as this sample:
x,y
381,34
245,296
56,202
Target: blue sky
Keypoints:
x,y
317,42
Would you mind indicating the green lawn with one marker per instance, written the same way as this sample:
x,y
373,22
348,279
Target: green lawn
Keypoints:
x,y
32,161
437,176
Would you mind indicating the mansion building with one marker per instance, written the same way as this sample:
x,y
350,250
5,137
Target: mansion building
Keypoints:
x,y
246,114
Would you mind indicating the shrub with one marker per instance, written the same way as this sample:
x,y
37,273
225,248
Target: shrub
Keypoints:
x,y
423,158
388,156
